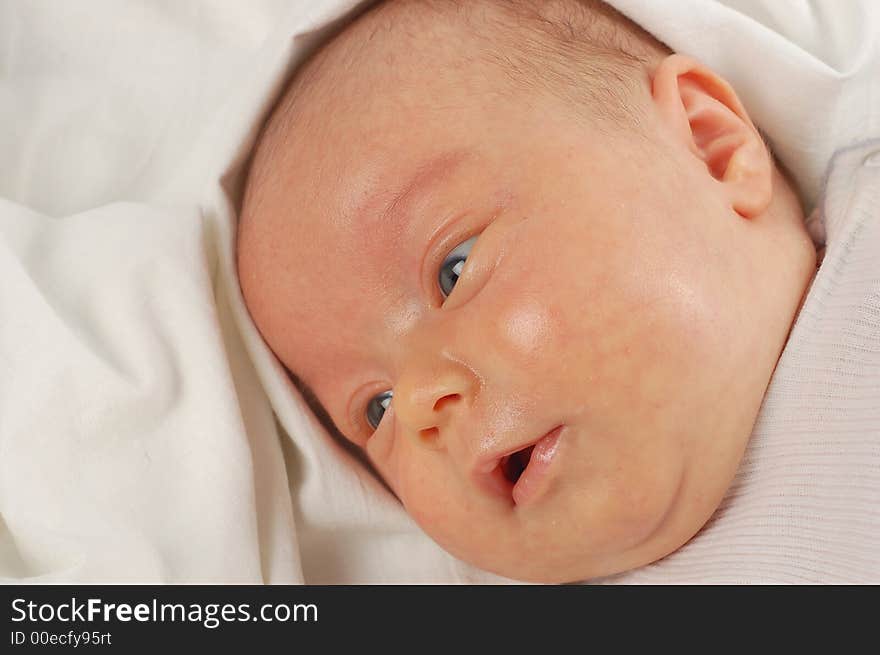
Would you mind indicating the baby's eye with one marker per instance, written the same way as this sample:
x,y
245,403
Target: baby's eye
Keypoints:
x,y
377,406
452,266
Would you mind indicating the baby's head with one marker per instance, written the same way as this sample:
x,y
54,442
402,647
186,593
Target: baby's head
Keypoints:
x,y
547,241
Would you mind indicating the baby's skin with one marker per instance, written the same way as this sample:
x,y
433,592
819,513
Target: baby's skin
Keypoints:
x,y
603,308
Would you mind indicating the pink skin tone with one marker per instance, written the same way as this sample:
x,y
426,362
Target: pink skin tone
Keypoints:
x,y
637,292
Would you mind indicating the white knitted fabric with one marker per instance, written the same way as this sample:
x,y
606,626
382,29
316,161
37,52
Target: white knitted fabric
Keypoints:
x,y
804,506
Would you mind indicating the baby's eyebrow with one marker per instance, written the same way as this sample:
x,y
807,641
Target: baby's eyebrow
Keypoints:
x,y
318,409
427,174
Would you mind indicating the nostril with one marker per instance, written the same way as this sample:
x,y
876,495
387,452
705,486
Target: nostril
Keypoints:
x,y
445,400
429,436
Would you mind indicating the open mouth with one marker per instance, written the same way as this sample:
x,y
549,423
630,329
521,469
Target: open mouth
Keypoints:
x,y
513,465
522,475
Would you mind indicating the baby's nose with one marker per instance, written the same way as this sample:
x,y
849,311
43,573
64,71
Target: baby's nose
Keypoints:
x,y
430,396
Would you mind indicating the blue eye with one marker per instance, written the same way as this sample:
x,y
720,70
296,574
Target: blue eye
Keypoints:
x,y
377,406
452,266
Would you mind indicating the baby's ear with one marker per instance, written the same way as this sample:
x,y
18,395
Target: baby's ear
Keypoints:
x,y
705,113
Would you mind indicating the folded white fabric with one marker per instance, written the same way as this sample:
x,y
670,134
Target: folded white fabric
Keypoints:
x,y
146,433
123,451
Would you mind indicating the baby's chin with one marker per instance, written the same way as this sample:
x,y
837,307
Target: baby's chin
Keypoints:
x,y
572,568
578,565
560,550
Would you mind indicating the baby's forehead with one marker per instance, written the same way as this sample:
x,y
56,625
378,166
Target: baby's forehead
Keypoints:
x,y
379,219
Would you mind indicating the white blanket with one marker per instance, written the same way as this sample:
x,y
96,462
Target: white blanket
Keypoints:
x,y
146,433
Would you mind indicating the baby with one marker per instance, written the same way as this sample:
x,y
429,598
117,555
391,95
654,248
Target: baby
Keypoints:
x,y
536,265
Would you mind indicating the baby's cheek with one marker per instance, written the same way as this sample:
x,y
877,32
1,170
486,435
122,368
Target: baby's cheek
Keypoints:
x,y
526,328
529,329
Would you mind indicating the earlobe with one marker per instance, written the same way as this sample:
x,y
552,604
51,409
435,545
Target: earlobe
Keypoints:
x,y
708,118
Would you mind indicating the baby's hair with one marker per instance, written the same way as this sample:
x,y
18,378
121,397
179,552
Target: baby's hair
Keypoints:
x,y
584,52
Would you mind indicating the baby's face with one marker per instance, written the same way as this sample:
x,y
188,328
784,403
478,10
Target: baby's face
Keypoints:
x,y
533,293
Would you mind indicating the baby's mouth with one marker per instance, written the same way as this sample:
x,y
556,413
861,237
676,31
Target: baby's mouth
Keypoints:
x,y
520,476
514,464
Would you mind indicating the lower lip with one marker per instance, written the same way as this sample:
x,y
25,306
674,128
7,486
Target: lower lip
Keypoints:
x,y
533,479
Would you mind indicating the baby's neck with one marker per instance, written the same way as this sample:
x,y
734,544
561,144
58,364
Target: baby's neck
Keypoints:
x,y
787,213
